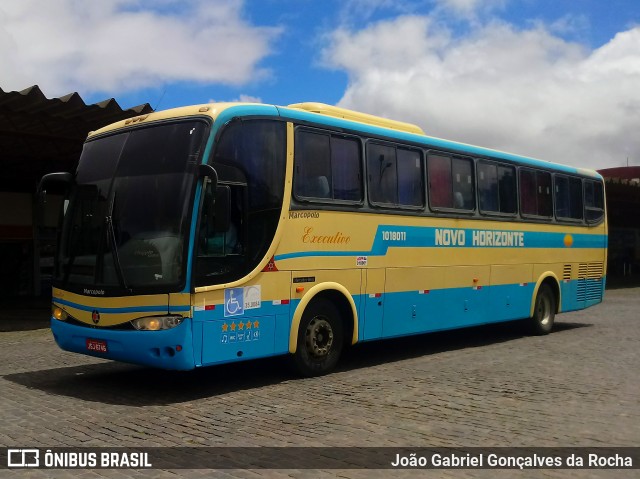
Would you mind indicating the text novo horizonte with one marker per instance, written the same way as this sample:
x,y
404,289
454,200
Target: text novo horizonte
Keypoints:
x,y
459,237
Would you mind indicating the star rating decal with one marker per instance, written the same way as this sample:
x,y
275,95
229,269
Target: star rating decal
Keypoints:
x,y
241,325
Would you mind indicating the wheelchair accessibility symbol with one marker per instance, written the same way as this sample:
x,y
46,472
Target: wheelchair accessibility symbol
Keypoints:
x,y
233,302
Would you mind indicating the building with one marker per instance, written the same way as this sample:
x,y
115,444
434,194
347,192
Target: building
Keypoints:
x,y
623,208
39,135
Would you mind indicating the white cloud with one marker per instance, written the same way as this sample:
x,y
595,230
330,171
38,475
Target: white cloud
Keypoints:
x,y
525,91
248,99
471,11
243,98
363,9
575,25
358,10
123,45
469,8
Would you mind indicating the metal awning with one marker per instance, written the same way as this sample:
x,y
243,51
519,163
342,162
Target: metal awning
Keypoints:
x,y
40,135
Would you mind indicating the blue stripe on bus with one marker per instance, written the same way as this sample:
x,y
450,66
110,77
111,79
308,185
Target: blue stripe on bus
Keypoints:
x,y
425,237
453,308
131,309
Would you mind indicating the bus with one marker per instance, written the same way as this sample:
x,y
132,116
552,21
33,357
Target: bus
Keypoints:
x,y
223,232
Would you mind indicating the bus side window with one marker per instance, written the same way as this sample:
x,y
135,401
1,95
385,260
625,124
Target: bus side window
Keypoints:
x,y
346,169
507,189
395,176
328,167
439,170
528,202
313,165
535,193
496,188
545,203
463,184
451,183
562,196
488,187
317,187
410,178
568,197
575,194
383,174
593,201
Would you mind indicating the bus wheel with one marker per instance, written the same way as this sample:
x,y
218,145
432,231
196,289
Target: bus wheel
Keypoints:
x,y
320,339
544,311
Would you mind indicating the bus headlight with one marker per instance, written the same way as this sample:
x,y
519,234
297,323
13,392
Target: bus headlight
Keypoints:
x,y
156,323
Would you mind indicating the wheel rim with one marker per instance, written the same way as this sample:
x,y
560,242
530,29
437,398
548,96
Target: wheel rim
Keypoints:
x,y
544,310
319,337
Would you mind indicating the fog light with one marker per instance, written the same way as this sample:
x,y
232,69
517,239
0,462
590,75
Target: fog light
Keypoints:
x,y
153,324
59,314
156,323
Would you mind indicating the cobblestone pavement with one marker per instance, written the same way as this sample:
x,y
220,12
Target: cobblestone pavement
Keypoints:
x,y
488,386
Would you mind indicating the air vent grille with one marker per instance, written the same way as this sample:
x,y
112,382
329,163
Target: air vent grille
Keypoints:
x,y
590,281
590,270
566,272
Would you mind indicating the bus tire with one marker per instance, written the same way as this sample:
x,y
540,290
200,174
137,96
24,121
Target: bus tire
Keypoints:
x,y
320,339
544,311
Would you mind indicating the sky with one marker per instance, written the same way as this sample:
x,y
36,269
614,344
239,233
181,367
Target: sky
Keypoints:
x,y
557,80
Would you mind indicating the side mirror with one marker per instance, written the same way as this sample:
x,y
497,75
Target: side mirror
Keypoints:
x,y
217,209
62,178
208,171
50,178
222,208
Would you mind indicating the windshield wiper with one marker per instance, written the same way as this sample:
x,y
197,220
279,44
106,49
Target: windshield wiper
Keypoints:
x,y
111,234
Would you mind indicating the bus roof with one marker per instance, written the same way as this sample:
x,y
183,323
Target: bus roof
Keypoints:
x,y
351,115
320,113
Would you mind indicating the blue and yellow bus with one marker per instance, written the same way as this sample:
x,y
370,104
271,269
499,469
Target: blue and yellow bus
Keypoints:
x,y
224,232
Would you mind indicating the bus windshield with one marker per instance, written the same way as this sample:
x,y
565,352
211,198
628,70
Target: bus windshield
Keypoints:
x,y
126,224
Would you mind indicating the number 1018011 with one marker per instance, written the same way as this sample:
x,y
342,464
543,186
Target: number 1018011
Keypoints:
x,y
394,235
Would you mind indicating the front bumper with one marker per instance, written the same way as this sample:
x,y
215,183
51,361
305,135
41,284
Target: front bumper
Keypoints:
x,y
166,349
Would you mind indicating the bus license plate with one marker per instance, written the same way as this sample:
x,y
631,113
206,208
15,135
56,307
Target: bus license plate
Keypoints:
x,y
97,345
